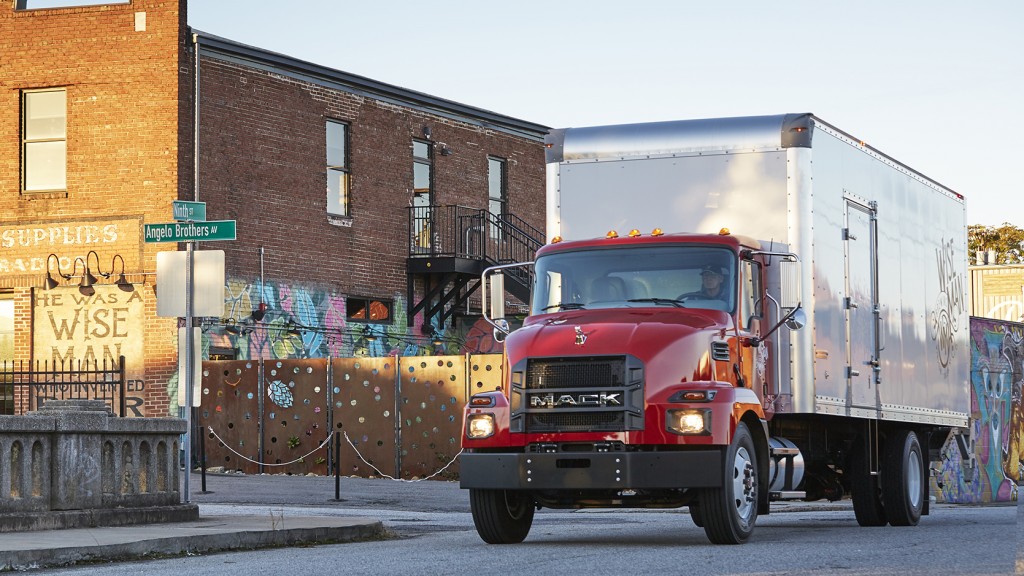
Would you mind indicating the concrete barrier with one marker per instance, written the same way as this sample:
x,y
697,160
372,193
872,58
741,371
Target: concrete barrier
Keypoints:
x,y
72,464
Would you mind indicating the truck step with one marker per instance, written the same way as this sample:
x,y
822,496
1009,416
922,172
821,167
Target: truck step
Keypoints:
x,y
787,495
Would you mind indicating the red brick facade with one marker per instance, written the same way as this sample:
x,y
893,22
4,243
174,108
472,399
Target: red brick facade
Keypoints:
x,y
128,72
122,86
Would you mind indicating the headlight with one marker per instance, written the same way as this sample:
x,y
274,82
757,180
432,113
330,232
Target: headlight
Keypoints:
x,y
479,426
688,421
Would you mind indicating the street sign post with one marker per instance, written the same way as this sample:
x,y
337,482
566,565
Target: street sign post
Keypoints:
x,y
191,227
185,210
191,231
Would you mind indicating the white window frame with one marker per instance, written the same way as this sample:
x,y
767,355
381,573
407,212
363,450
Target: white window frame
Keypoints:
x,y
338,206
30,141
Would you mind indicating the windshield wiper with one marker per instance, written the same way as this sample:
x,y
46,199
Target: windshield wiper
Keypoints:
x,y
676,303
564,306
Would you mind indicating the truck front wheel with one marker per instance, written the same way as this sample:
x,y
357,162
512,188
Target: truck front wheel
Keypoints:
x,y
903,479
501,516
729,512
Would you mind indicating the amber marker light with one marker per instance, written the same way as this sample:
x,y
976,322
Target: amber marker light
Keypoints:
x,y
481,401
724,232
612,234
634,233
657,232
556,239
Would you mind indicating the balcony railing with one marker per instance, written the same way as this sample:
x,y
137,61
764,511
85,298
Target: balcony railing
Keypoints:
x,y
473,233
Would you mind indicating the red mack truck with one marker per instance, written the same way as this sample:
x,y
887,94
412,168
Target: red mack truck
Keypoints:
x,y
731,312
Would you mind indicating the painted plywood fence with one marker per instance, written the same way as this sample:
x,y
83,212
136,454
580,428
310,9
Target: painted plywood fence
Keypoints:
x,y
395,416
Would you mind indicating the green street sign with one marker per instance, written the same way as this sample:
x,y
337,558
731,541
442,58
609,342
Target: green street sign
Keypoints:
x,y
191,231
185,210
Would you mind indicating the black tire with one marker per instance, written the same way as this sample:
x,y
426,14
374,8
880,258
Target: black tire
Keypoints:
x,y
501,516
696,515
730,511
904,484
867,497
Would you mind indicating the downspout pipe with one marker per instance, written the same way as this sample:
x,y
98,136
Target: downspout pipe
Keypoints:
x,y
195,125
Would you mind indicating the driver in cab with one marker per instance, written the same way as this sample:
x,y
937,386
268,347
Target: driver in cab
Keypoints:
x,y
712,284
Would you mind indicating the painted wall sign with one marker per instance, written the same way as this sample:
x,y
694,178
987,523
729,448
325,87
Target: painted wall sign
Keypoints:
x,y
24,247
69,326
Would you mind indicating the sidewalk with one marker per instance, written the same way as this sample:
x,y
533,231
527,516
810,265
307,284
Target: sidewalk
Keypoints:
x,y
37,549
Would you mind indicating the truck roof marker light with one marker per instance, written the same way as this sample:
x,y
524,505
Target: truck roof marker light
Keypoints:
x,y
556,239
657,232
634,233
724,232
611,234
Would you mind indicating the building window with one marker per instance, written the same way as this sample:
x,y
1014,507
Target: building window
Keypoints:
x,y
44,4
422,160
369,310
337,169
497,191
422,179
44,141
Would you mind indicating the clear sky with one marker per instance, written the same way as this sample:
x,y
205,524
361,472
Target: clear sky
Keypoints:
x,y
938,84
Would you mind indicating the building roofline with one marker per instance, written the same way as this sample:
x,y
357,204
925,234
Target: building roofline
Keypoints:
x,y
300,69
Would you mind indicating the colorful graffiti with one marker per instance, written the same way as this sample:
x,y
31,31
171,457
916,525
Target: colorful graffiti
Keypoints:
x,y
302,322
997,419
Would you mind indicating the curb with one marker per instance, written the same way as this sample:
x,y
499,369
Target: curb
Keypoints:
x,y
210,534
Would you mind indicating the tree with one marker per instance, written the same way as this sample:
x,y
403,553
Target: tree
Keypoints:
x,y
1007,240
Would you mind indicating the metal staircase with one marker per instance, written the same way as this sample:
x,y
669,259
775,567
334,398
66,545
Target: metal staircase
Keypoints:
x,y
450,246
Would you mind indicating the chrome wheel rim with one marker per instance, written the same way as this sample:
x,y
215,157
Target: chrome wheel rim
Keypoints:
x,y
744,485
914,479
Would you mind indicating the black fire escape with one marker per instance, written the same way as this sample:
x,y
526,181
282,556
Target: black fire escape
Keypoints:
x,y
450,246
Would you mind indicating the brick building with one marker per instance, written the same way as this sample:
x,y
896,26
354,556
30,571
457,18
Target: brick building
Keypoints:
x,y
364,211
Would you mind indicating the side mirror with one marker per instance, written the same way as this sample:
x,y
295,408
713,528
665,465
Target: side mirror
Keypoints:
x,y
797,319
501,329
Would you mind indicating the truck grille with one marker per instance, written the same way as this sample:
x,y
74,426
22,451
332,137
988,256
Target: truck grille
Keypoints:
x,y
586,373
579,394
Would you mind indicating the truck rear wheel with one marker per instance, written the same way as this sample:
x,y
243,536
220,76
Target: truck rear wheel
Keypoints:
x,y
903,479
867,498
729,512
501,516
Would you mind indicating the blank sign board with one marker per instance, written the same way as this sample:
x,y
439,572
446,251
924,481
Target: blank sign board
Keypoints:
x,y
208,283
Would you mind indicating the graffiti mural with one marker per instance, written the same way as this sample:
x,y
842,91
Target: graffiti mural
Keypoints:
x,y
997,418
303,322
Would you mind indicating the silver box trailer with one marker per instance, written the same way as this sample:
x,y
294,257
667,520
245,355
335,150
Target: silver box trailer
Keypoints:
x,y
882,247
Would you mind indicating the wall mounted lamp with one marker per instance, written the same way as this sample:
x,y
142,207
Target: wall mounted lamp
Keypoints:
x,y
368,334
88,278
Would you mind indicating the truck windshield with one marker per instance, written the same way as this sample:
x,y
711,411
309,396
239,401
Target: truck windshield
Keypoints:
x,y
631,276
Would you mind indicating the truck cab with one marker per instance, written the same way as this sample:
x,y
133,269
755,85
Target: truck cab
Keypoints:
x,y
640,378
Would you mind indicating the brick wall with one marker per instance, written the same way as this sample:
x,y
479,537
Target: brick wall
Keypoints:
x,y
263,154
262,163
123,106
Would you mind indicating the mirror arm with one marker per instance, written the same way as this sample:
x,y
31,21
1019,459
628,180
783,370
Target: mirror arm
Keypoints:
x,y
756,341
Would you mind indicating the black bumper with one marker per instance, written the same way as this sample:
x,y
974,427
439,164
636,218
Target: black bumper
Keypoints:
x,y
592,471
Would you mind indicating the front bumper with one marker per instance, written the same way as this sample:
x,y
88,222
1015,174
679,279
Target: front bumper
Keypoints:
x,y
592,470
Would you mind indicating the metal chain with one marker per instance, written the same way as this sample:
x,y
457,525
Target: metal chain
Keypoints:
x,y
383,475
228,446
325,443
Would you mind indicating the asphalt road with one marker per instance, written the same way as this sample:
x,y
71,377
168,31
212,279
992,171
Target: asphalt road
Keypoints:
x,y
433,534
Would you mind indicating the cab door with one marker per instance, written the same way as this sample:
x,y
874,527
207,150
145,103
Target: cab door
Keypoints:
x,y
751,322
